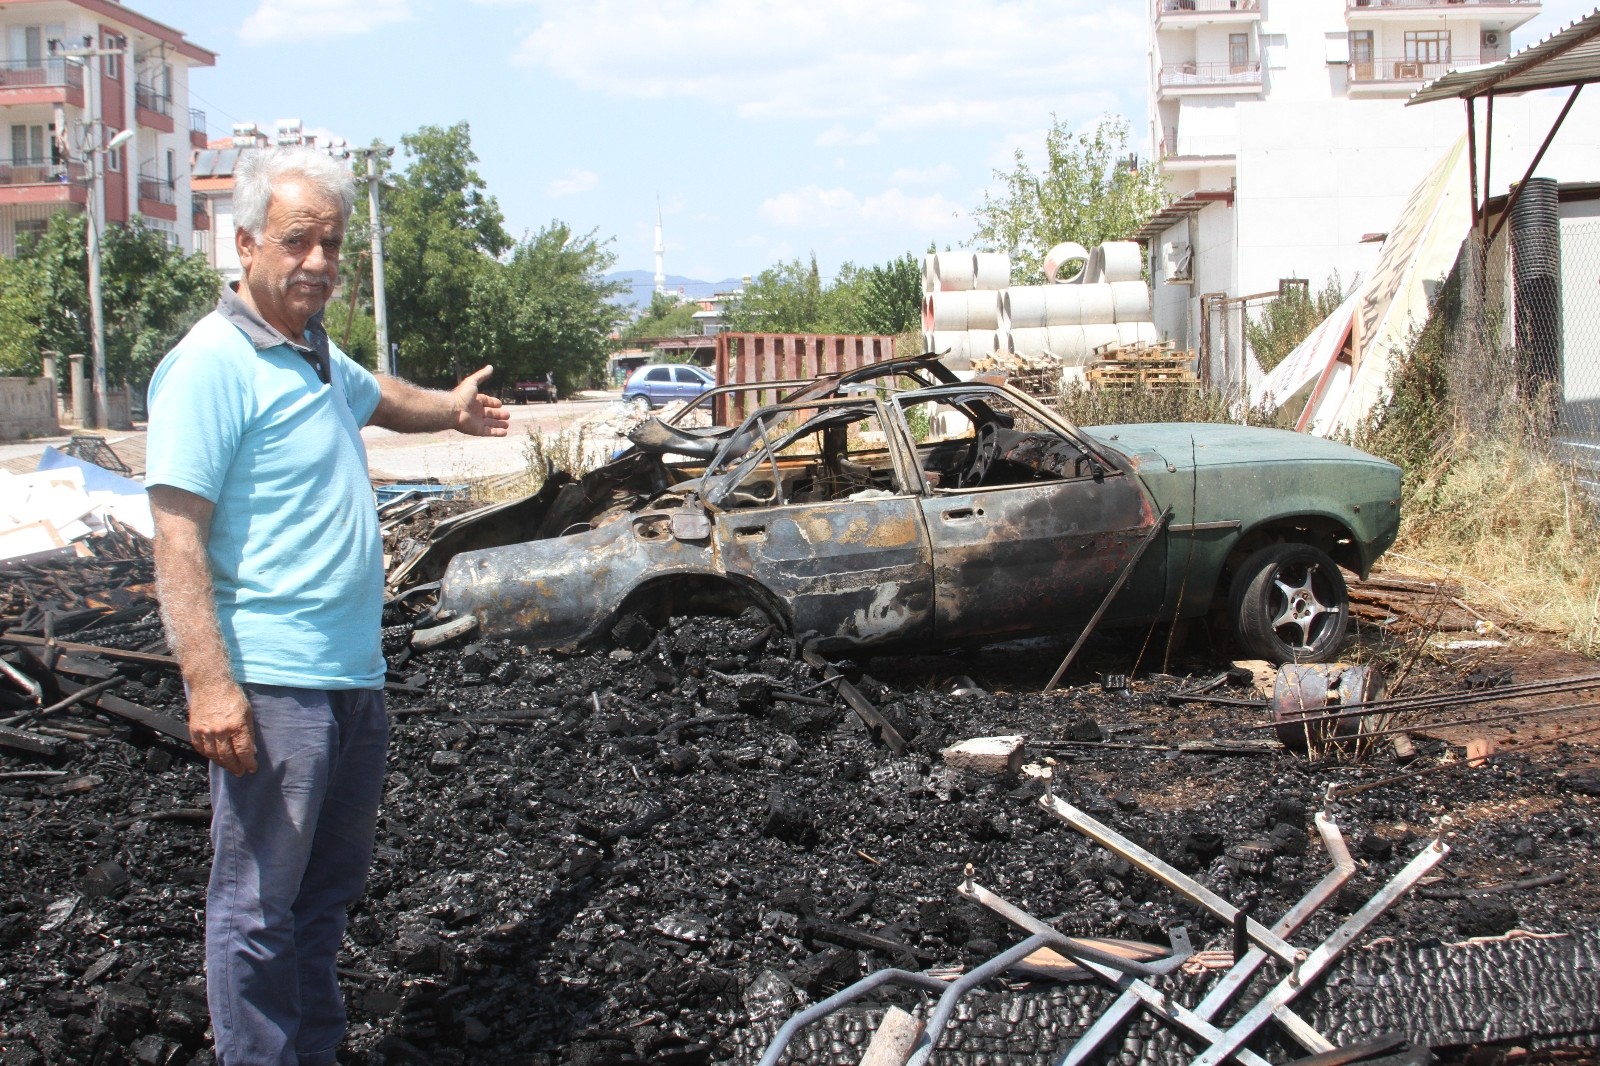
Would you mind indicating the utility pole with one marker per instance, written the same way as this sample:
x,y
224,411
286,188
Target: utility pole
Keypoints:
x,y
92,142
380,311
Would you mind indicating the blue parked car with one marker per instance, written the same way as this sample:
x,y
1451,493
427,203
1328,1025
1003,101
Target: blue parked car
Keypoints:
x,y
658,384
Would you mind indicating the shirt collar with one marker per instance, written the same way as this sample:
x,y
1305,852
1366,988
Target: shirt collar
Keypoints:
x,y
263,335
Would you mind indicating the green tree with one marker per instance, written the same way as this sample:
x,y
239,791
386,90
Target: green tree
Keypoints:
x,y
150,295
790,298
786,298
554,308
666,316
445,234
1289,319
1086,194
890,297
348,317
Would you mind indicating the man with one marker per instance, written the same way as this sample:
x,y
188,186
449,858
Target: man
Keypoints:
x,y
269,568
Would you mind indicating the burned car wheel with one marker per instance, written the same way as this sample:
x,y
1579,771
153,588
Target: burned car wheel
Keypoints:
x,y
1289,604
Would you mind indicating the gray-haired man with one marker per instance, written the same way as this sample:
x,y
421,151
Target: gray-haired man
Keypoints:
x,y
269,567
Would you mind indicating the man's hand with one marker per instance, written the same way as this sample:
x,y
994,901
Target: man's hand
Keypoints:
x,y
221,727
477,413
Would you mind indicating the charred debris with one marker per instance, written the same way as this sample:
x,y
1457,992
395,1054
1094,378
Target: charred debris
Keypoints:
x,y
670,846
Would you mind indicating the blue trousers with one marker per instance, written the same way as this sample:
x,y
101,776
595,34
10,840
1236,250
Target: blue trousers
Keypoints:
x,y
292,844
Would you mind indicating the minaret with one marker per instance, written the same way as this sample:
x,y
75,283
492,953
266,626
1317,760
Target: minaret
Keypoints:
x,y
661,249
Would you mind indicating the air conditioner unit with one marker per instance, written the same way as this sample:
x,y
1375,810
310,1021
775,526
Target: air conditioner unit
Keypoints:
x,y
1179,264
1491,39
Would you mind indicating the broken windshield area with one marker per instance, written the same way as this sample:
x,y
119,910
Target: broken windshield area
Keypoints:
x,y
979,437
835,451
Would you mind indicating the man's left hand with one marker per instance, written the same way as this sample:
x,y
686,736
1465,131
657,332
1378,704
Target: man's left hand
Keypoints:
x,y
477,413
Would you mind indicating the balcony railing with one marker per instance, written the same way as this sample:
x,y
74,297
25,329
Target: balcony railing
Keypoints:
x,y
1352,5
156,190
41,172
1184,7
1390,69
36,73
197,120
147,98
1193,75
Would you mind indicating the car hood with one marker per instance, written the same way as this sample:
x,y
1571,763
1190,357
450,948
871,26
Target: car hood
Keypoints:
x,y
1183,446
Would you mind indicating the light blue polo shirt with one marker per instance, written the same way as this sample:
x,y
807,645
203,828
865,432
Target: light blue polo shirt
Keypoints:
x,y
240,417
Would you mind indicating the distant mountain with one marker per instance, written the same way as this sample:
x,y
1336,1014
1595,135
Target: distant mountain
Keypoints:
x,y
641,283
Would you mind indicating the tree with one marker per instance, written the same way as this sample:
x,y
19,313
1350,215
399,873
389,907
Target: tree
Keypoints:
x,y
555,312
1289,319
666,316
786,298
891,297
790,298
1085,194
151,294
445,235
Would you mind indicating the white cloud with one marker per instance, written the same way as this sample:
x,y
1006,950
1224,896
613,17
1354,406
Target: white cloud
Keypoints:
x,y
298,20
835,136
923,175
855,69
574,182
814,209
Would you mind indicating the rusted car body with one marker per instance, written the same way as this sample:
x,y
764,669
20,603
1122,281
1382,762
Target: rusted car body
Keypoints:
x,y
897,506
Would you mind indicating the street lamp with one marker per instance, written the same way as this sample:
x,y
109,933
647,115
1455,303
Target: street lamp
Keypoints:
x,y
97,329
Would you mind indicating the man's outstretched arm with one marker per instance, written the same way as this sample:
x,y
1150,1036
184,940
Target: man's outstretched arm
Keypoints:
x,y
220,726
406,408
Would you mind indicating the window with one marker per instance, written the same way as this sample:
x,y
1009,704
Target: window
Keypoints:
x,y
114,159
1239,51
1427,46
171,169
660,374
113,62
689,377
1361,46
28,146
28,230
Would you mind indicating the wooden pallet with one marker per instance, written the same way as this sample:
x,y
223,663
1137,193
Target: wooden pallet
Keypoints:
x,y
1154,368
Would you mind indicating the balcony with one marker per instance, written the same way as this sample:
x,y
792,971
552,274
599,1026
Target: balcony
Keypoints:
x,y
1379,7
1187,14
1202,79
152,109
1390,72
1497,15
197,128
43,81
40,181
157,199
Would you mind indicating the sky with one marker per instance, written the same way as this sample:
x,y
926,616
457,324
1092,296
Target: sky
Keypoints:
x,y
765,131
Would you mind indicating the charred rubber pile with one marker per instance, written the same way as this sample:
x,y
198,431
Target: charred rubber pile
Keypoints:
x,y
659,851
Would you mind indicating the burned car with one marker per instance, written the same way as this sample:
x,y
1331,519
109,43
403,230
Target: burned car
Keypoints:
x,y
898,506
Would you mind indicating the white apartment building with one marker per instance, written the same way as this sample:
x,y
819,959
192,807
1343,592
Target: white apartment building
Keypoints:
x,y
1281,129
50,99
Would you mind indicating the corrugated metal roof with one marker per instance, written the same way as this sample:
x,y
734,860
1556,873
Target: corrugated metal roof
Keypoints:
x,y
1562,60
1178,210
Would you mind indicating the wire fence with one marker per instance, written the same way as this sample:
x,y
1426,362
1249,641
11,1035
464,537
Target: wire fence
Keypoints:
x,y
1521,325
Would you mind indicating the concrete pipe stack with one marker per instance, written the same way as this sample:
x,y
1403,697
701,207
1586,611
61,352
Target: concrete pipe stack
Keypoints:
x,y
961,304
1093,298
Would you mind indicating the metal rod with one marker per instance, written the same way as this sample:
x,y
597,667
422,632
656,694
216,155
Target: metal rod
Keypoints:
x,y
1179,882
1122,579
1246,965
1471,764
839,999
1444,699
1311,967
1516,192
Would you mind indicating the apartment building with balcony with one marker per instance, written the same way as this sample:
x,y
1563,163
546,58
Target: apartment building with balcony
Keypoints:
x,y
1281,130
49,99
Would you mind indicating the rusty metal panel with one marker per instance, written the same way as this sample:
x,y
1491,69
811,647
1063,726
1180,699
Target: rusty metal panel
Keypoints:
x,y
752,358
853,572
1031,558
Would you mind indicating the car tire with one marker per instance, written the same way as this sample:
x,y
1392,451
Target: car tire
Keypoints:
x,y
1289,604
637,401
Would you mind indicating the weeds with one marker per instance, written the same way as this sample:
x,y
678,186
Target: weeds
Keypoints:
x,y
1085,406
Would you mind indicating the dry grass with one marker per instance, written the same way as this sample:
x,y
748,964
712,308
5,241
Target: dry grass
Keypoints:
x,y
1508,519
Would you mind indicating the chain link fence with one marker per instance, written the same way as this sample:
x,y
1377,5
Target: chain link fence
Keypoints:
x,y
1520,320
